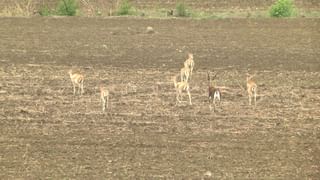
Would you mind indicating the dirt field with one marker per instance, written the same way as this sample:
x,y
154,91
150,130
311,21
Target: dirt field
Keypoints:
x,y
48,134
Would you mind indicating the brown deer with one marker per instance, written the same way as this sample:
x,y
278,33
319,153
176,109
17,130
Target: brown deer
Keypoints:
x,y
77,79
104,97
180,87
214,92
251,88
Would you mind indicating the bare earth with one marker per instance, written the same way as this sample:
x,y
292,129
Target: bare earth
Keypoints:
x,y
46,133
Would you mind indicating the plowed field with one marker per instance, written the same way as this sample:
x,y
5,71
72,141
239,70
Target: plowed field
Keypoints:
x,y
46,132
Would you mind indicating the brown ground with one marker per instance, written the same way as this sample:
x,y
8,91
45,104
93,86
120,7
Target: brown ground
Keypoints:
x,y
45,133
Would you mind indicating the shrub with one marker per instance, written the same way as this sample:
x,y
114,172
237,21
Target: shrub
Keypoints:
x,y
45,11
67,8
181,10
125,8
282,8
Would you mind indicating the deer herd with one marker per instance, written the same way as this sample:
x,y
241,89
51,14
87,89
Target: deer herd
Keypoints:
x,y
214,92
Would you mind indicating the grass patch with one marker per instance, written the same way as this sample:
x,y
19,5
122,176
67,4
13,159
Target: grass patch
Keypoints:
x,y
282,8
125,8
45,11
228,14
26,8
67,8
181,10
64,8
206,15
21,8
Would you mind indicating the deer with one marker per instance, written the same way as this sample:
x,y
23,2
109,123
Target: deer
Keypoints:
x,y
214,92
104,97
251,88
77,79
189,63
180,87
185,73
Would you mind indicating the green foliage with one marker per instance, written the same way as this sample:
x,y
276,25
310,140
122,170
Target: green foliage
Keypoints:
x,y
181,10
282,8
125,8
205,15
45,11
98,13
67,7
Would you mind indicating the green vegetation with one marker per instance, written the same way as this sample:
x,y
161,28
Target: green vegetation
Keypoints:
x,y
125,8
206,15
64,8
282,8
45,11
67,8
181,10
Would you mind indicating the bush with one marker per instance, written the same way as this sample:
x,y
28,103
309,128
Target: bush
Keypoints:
x,y
67,8
282,8
181,10
45,11
125,8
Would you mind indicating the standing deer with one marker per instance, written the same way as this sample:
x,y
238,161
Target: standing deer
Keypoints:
x,y
214,92
180,87
251,88
104,97
77,79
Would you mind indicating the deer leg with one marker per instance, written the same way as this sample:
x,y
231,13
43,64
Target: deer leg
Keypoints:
x,y
187,77
177,97
82,91
107,101
255,97
103,104
189,97
74,88
180,95
79,89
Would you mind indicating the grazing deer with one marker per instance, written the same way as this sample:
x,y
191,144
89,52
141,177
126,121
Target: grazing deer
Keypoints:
x,y
251,88
180,87
185,73
214,92
77,80
104,97
189,63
